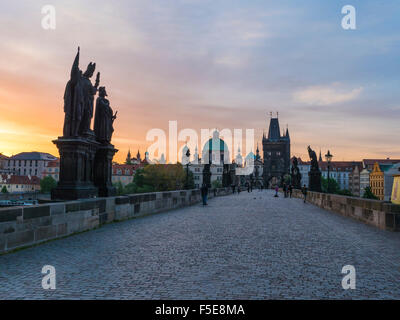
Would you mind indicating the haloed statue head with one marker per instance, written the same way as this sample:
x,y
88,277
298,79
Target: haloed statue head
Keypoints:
x,y
90,70
102,92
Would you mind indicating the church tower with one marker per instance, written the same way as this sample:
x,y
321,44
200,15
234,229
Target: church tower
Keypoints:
x,y
128,158
276,151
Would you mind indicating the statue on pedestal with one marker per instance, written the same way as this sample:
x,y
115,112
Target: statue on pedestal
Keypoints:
x,y
295,174
78,99
85,158
315,173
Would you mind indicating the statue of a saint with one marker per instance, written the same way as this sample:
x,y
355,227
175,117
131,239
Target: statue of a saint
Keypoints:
x,y
296,175
78,99
104,118
73,101
89,91
313,158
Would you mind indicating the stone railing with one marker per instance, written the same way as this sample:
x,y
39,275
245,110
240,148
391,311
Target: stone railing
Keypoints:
x,y
30,225
381,214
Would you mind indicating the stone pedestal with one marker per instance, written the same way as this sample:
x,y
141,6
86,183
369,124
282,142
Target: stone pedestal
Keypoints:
x,y
314,181
103,170
76,169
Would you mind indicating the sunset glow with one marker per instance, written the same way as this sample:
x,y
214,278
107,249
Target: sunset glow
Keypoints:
x,y
207,65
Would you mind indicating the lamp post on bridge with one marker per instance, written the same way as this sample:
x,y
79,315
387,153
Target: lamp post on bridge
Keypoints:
x,y
187,168
328,158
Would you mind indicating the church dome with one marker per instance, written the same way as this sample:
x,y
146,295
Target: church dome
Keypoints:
x,y
221,146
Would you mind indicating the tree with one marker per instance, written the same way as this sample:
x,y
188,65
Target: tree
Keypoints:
x,y
333,185
190,180
287,179
47,183
345,192
130,188
120,188
4,190
368,194
159,177
216,184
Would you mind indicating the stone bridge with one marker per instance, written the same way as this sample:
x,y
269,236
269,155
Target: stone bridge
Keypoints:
x,y
242,246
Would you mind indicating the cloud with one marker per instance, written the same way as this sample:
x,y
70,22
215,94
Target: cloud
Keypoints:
x,y
326,95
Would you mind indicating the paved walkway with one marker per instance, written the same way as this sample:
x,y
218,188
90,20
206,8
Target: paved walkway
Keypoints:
x,y
247,246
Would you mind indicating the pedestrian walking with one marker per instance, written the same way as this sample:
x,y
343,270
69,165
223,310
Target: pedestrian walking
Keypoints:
x,y
276,191
285,190
204,193
233,188
304,191
290,190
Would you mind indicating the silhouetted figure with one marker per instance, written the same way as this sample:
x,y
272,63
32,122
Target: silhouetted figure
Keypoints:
x,y
73,101
285,190
233,188
304,191
78,99
290,190
204,193
104,118
276,192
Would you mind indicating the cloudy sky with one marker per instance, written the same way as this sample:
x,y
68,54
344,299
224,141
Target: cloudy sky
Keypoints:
x,y
208,64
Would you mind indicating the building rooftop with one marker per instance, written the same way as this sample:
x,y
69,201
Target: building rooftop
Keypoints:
x,y
14,179
34,155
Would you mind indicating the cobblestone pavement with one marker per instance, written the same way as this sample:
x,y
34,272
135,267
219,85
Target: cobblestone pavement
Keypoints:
x,y
247,246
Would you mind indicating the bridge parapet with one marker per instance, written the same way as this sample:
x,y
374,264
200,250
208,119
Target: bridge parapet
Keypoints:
x,y
30,225
381,214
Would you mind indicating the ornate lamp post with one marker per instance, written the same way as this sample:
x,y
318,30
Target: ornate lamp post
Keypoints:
x,y
187,168
328,158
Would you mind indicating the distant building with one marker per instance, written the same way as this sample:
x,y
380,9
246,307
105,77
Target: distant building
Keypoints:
x,y
304,168
123,173
388,178
369,163
131,160
215,151
19,184
3,163
364,180
376,180
52,169
355,180
342,172
29,163
396,189
276,149
345,173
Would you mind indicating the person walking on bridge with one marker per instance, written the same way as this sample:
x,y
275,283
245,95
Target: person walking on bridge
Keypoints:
x,y
290,188
204,193
304,191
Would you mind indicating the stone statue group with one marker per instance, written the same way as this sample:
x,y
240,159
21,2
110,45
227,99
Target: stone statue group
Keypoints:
x,y
78,105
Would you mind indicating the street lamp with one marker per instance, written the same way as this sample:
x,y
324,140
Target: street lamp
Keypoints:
x,y
187,168
328,158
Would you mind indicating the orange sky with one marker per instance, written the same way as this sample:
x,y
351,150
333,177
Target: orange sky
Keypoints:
x,y
204,66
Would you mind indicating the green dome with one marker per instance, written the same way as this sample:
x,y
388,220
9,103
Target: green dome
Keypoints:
x,y
209,146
